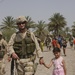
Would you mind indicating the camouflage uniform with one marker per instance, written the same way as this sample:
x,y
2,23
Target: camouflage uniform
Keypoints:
x,y
25,64
3,48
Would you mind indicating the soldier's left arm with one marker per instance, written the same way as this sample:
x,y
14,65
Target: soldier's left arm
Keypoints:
x,y
38,49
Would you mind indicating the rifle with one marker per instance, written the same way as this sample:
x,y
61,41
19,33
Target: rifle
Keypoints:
x,y
12,67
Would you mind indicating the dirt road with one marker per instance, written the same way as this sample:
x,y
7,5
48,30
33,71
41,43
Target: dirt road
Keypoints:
x,y
69,60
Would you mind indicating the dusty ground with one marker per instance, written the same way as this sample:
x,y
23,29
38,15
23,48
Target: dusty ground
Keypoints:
x,y
41,70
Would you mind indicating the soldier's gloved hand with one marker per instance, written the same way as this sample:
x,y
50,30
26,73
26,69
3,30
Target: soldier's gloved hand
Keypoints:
x,y
41,61
15,56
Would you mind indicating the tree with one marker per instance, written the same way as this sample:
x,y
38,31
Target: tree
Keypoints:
x,y
57,22
41,30
73,29
67,30
31,23
8,27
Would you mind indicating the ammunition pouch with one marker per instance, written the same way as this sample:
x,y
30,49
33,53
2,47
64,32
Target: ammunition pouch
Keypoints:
x,y
18,48
30,48
31,56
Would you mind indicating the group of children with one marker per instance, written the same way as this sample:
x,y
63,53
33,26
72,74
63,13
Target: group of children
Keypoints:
x,y
57,61
55,43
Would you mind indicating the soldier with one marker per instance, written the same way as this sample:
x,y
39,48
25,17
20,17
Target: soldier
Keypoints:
x,y
48,42
3,49
22,46
71,41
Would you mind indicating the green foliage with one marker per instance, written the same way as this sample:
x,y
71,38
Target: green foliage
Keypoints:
x,y
8,27
57,22
7,33
8,22
41,30
31,23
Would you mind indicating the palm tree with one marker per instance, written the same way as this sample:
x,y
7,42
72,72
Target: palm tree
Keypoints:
x,y
8,26
8,23
41,30
31,23
67,30
57,22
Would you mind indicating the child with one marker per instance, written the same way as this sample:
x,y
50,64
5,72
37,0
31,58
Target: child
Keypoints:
x,y
57,44
54,42
74,43
64,46
58,62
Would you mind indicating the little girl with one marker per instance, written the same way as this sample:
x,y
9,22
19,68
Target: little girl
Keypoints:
x,y
58,62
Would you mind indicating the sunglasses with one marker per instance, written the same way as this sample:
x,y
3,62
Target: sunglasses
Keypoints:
x,y
21,23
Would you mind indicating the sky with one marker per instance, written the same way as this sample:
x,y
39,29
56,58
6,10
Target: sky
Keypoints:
x,y
38,9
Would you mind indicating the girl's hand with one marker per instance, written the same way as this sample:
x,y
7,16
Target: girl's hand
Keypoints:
x,y
46,65
41,61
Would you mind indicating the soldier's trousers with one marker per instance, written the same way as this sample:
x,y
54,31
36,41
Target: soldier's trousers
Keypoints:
x,y
2,68
24,67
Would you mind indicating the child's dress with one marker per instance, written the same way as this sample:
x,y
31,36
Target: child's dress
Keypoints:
x,y
58,66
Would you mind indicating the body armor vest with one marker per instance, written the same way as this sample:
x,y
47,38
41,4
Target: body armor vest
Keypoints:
x,y
24,47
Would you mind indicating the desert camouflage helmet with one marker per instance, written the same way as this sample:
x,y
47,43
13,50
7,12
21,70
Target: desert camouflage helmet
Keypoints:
x,y
21,19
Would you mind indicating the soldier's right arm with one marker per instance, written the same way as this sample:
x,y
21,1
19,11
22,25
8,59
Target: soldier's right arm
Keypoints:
x,y
10,44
